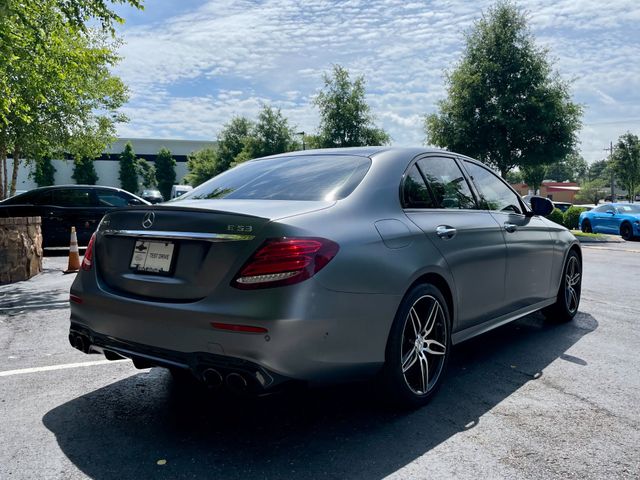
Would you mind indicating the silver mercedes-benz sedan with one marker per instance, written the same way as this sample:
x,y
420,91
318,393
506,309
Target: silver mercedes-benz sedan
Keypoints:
x,y
323,266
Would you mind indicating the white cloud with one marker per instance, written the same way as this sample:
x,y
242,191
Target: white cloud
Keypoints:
x,y
190,73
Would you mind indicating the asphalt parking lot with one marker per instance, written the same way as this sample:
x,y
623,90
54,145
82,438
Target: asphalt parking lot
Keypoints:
x,y
529,400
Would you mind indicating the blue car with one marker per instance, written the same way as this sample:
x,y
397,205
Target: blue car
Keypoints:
x,y
616,218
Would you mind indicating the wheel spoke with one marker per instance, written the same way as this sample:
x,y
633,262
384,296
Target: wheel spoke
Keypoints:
x,y
415,322
424,372
431,320
409,359
575,279
434,347
574,298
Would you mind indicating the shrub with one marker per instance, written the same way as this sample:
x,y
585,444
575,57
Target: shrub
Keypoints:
x,y
571,217
556,216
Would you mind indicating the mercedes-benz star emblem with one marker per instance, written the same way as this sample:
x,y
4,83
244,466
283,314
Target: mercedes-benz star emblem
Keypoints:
x,y
148,219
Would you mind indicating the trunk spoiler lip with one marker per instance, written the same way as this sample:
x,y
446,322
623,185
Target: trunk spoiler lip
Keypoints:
x,y
190,208
177,235
146,208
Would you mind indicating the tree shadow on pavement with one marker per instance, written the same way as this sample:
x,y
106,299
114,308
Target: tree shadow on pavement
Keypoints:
x,y
121,430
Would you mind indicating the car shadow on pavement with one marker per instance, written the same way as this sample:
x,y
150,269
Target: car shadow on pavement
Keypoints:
x,y
124,429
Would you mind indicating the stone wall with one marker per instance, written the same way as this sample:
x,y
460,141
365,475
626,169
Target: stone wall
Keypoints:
x,y
20,248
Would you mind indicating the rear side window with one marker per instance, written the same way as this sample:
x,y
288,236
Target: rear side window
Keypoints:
x,y
317,177
447,183
415,192
72,197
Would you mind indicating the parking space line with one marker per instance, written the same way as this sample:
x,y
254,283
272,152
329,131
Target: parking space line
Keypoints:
x,y
64,366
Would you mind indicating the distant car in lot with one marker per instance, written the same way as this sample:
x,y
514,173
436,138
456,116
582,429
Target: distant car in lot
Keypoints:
x,y
323,266
64,206
178,190
152,196
615,218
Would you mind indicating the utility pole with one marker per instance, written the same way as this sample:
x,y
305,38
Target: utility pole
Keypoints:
x,y
613,192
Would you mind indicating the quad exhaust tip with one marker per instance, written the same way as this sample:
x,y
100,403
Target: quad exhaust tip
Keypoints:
x,y
212,378
236,382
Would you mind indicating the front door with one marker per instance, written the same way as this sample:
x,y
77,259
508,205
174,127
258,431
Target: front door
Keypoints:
x,y
529,242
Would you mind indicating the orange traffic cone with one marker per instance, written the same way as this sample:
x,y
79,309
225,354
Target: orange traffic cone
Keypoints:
x,y
74,255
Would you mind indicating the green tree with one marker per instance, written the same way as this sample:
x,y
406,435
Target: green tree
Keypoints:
x,y
84,171
270,135
600,169
572,168
533,175
505,104
591,191
626,163
345,116
43,172
202,166
165,172
128,174
147,173
55,83
231,142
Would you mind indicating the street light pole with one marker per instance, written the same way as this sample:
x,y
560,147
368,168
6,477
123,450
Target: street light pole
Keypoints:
x,y
302,133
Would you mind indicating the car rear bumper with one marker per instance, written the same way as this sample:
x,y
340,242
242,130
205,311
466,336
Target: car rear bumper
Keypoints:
x,y
312,334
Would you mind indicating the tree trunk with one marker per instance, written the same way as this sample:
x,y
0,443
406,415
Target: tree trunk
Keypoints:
x,y
5,191
3,169
14,173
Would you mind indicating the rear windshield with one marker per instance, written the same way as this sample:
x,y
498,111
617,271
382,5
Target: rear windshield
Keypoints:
x,y
318,177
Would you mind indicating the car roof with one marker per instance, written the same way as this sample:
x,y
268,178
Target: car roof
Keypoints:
x,y
370,152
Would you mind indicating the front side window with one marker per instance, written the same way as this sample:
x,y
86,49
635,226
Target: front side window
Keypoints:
x,y
305,177
630,209
496,195
111,198
447,183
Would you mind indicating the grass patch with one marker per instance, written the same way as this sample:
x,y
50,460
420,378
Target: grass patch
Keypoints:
x,y
579,233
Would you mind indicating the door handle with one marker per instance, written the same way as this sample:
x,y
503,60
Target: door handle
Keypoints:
x,y
510,227
445,232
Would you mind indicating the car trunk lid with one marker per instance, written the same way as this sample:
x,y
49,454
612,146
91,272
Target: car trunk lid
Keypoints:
x,y
181,252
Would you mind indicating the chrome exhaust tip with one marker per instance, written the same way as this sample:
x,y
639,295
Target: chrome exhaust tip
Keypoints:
x,y
236,382
212,378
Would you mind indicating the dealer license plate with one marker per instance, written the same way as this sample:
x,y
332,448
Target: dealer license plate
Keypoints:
x,y
152,257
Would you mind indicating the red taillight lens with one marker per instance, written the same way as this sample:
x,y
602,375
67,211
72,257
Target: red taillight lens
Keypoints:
x,y
87,260
285,261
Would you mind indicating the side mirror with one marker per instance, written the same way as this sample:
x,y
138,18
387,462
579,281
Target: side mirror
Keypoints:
x,y
134,201
541,206
611,212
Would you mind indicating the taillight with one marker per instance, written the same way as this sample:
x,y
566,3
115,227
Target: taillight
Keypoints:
x,y
87,260
284,261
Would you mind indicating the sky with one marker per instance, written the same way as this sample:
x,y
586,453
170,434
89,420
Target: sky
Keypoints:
x,y
191,65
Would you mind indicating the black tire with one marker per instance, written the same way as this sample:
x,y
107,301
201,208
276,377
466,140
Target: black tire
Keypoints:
x,y
406,388
626,231
567,303
586,226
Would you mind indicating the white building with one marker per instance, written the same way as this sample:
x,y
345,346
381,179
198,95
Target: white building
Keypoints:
x,y
107,165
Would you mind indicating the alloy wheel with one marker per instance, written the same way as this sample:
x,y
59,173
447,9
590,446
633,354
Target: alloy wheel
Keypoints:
x,y
573,275
424,345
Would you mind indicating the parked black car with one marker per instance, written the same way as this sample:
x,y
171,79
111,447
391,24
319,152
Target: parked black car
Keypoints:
x,y
152,196
64,206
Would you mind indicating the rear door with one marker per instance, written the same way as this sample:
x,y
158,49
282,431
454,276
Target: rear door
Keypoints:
x,y
438,199
530,245
73,207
